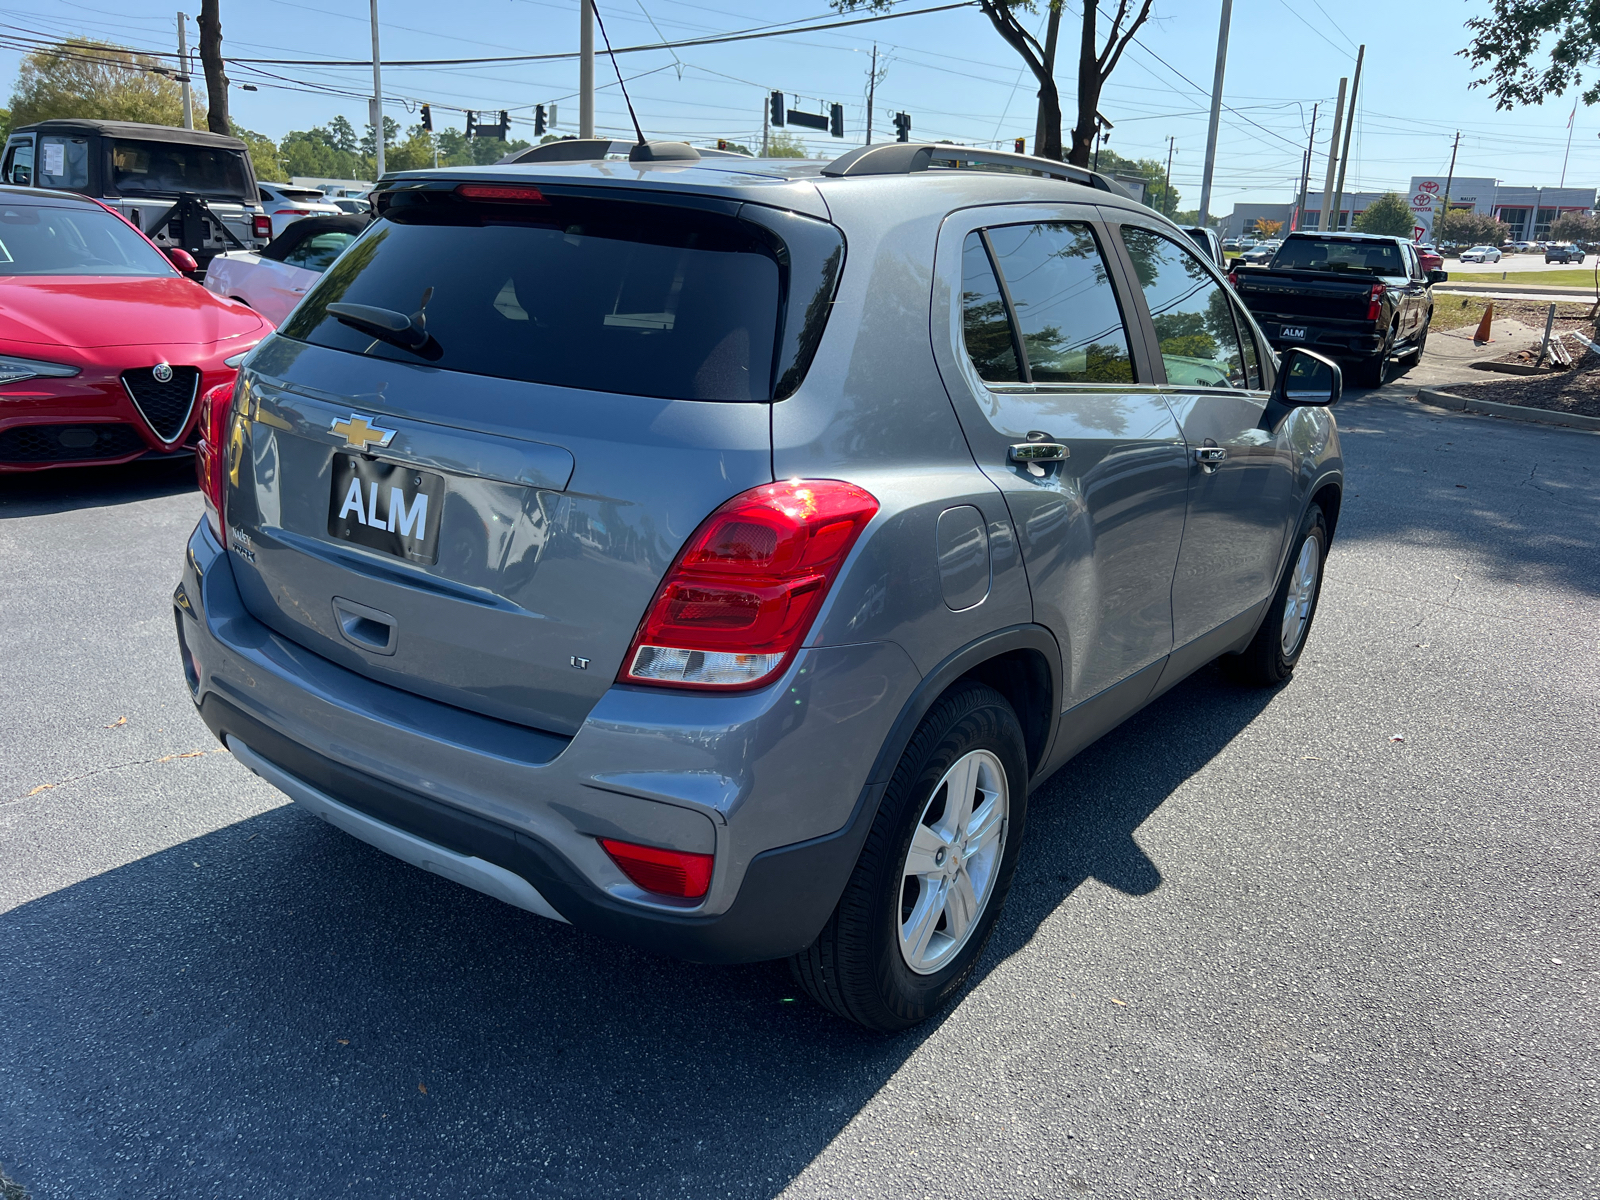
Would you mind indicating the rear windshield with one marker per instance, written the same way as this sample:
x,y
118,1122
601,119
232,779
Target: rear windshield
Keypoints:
x,y
613,296
162,168
37,239
1331,254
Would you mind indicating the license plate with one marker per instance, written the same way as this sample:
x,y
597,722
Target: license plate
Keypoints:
x,y
1295,333
386,507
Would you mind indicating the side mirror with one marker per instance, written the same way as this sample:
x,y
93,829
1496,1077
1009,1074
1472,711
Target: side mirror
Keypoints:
x,y
1306,379
22,176
1438,276
182,259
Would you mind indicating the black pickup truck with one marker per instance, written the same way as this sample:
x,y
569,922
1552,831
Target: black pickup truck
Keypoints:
x,y
1356,296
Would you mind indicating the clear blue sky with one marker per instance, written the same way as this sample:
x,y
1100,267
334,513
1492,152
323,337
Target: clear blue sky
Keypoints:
x,y
949,70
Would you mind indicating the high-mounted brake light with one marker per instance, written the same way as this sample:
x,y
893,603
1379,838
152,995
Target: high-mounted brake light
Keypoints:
x,y
210,454
743,591
1375,301
501,193
666,872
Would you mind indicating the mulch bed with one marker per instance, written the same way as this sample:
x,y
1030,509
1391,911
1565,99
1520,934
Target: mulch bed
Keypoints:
x,y
1574,391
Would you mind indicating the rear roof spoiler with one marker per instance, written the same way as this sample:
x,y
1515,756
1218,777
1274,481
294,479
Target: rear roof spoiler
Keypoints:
x,y
593,149
907,158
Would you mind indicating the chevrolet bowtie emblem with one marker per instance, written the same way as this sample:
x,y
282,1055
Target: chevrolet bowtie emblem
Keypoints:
x,y
356,432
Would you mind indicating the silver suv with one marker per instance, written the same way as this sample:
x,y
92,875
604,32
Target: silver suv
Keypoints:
x,y
715,553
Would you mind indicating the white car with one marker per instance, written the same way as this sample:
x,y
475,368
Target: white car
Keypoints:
x,y
1483,254
273,279
285,204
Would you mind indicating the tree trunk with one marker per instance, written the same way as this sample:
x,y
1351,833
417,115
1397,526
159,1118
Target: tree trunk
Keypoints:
x,y
1088,93
211,58
1047,128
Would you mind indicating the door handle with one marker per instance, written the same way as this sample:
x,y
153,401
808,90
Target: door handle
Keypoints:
x,y
1209,456
1034,455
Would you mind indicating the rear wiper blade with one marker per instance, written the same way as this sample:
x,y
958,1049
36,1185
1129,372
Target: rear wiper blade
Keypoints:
x,y
387,325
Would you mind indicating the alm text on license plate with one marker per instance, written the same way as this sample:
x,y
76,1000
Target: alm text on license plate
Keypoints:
x,y
1296,333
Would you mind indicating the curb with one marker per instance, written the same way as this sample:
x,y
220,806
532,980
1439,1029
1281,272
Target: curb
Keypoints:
x,y
1462,287
1514,412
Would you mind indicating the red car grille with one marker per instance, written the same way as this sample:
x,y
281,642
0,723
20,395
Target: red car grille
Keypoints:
x,y
165,405
68,443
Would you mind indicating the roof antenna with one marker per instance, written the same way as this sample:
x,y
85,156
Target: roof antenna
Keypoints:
x,y
613,56
644,151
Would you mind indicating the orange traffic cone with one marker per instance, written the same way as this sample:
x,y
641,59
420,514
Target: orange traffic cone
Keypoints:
x,y
1483,326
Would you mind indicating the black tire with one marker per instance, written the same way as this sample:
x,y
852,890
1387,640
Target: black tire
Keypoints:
x,y
1265,662
1373,372
856,967
1415,357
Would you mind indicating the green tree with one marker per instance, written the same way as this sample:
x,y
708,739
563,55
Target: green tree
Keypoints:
x,y
391,130
1575,227
263,154
342,135
412,154
1389,214
315,152
1463,227
786,145
95,80
1511,43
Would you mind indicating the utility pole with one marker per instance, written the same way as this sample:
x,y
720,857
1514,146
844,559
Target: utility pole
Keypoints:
x,y
183,72
377,96
1349,128
1333,156
1216,111
1305,172
872,95
1166,201
586,70
1448,180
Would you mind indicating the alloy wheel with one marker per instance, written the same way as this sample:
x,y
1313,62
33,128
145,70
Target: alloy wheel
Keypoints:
x,y
1302,591
953,861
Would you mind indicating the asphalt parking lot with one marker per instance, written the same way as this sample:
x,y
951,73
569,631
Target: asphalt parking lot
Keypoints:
x,y
1334,940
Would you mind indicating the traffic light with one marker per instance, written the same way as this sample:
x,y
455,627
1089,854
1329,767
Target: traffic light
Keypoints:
x,y
472,124
777,108
505,124
722,143
902,127
836,120
538,120
427,118
1022,145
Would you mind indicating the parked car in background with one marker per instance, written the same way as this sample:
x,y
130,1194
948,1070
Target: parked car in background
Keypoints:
x,y
1430,258
181,187
1208,241
1563,252
285,205
613,542
1481,254
105,346
272,280
1523,247
1230,243
1360,297
1260,253
351,206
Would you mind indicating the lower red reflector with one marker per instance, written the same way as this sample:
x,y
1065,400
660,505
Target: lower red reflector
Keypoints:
x,y
665,872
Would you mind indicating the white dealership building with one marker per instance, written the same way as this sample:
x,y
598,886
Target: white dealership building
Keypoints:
x,y
1527,211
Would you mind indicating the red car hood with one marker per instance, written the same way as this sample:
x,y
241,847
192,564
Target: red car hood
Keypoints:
x,y
90,311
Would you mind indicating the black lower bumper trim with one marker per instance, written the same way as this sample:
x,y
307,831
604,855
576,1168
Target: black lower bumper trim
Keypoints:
x,y
787,895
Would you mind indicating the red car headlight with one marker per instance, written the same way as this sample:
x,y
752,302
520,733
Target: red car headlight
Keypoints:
x,y
15,370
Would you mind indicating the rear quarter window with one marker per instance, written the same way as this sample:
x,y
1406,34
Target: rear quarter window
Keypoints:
x,y
609,295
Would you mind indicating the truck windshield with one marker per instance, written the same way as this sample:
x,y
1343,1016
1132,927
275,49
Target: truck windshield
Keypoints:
x,y
163,168
1339,254
39,239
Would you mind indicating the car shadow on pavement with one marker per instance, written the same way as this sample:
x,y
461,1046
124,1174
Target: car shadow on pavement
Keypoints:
x,y
277,1009
36,493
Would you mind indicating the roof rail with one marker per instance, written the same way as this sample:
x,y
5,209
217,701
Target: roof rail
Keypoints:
x,y
593,149
906,158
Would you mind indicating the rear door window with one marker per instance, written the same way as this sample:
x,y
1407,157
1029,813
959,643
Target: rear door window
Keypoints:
x,y
63,162
608,295
1053,279
1189,310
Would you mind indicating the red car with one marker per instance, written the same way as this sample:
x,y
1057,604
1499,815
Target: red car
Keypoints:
x,y
1430,259
105,347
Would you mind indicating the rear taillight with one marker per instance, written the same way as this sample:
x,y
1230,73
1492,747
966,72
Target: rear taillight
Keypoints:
x,y
1233,279
744,589
262,227
210,453
666,872
1375,301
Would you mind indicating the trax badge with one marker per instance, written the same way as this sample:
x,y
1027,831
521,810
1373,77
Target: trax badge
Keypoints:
x,y
356,432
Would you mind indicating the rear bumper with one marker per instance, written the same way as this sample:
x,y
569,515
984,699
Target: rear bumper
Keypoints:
x,y
774,782
1342,339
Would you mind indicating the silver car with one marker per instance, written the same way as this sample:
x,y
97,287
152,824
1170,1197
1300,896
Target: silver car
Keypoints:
x,y
715,553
